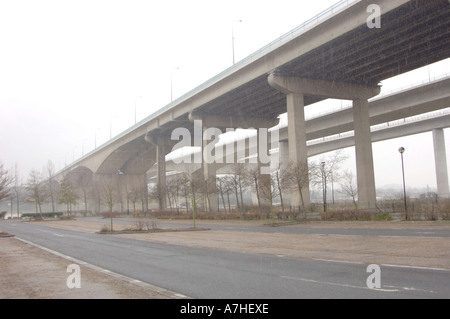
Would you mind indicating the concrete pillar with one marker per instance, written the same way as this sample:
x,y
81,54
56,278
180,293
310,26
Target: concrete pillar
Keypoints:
x,y
264,178
283,153
161,175
364,156
209,176
296,88
160,143
298,156
440,159
145,193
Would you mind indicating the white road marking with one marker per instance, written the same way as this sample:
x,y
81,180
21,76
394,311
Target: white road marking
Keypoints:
x,y
337,284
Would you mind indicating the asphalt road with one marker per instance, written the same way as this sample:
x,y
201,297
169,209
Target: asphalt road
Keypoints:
x,y
206,273
391,232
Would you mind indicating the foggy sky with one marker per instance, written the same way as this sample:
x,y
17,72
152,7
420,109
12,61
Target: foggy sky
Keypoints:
x,y
72,73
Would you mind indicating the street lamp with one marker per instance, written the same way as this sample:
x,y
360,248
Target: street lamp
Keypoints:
x,y
135,109
171,83
232,36
82,146
401,151
324,188
95,137
110,126
11,204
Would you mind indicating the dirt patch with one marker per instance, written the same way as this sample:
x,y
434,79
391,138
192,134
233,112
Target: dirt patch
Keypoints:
x,y
27,272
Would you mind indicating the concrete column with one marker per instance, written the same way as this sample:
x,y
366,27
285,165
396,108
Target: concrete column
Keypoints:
x,y
296,88
209,176
161,175
283,153
145,192
263,147
297,144
364,156
440,159
160,143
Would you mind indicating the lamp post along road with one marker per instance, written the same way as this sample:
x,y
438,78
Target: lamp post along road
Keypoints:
x,y
402,150
232,37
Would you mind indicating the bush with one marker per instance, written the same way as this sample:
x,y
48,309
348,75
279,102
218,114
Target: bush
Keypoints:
x,y
354,215
104,229
382,216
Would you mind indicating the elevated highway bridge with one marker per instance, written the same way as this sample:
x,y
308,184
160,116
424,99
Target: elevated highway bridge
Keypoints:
x,y
336,55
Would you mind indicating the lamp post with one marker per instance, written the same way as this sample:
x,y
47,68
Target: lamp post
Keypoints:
x,y
11,204
232,36
135,109
401,151
82,146
324,188
95,137
171,83
110,126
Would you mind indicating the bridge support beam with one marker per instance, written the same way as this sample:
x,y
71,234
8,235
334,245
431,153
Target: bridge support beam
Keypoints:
x,y
161,150
298,157
295,89
161,175
364,156
440,159
264,169
209,176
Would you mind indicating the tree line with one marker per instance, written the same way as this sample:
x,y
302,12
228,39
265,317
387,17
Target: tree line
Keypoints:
x,y
184,190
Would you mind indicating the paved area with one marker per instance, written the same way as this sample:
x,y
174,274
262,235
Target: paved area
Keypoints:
x,y
29,272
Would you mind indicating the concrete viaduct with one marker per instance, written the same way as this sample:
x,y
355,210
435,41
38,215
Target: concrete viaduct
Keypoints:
x,y
339,54
433,122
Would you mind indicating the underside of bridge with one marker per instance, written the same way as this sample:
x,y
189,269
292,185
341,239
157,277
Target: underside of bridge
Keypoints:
x,y
411,36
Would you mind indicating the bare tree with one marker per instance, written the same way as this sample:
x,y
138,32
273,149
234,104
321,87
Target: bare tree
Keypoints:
x,y
108,195
326,171
269,191
349,187
222,188
17,189
174,187
135,192
119,180
195,185
255,176
233,182
5,182
67,194
85,184
49,175
299,179
36,189
282,182
240,182
225,186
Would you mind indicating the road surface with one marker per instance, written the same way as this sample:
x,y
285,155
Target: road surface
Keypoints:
x,y
209,273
